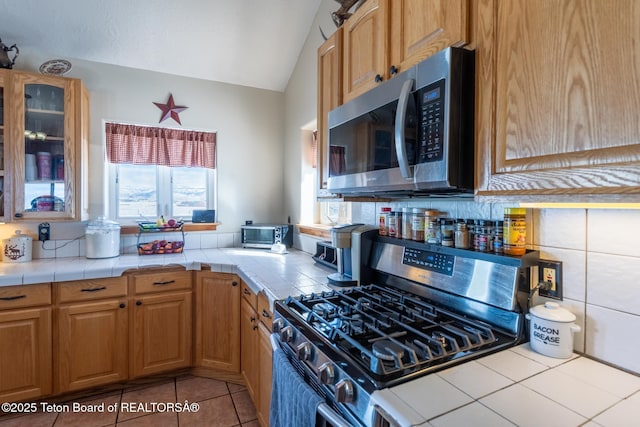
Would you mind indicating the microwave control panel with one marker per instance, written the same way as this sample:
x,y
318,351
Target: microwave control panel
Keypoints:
x,y
427,260
431,102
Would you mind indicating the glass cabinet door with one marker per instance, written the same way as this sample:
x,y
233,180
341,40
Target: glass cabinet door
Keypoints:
x,y
43,190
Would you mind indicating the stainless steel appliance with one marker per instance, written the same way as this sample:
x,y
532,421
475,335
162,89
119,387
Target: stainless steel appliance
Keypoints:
x,y
264,236
411,134
347,239
426,308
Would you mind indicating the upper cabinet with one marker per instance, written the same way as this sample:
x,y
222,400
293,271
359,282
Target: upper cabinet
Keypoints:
x,y
329,97
4,184
47,136
557,99
383,38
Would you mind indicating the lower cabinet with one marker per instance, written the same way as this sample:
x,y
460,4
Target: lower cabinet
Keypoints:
x,y
26,349
161,330
91,333
256,350
217,325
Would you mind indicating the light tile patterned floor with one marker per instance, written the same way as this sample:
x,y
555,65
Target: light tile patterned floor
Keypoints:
x,y
220,404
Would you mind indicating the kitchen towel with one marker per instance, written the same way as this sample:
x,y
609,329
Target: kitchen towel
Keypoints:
x,y
293,402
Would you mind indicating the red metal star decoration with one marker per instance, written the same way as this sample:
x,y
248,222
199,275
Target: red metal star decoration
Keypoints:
x,y
170,109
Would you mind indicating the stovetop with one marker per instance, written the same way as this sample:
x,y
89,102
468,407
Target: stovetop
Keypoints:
x,y
384,336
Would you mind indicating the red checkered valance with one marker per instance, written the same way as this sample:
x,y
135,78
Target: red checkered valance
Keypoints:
x,y
144,145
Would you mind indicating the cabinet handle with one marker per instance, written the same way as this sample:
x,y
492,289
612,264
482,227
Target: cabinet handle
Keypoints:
x,y
393,70
378,78
101,288
246,291
266,314
13,298
138,302
164,283
234,283
122,305
255,327
253,319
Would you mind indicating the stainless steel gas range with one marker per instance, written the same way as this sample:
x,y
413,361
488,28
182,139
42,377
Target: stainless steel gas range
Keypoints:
x,y
425,308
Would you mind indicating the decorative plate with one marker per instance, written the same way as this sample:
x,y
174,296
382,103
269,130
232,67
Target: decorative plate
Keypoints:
x,y
56,67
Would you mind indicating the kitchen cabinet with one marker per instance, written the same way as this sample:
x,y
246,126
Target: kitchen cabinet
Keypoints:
x,y
91,333
49,131
4,177
25,334
557,100
256,350
383,38
249,340
161,324
217,326
329,97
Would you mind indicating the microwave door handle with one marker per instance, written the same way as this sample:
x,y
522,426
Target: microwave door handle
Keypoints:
x,y
401,114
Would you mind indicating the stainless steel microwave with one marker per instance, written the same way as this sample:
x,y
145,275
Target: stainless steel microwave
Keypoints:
x,y
412,134
266,235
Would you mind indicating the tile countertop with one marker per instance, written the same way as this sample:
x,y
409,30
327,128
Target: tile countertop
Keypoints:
x,y
512,387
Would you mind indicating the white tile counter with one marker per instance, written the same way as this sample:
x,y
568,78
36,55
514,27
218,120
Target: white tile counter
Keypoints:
x,y
513,387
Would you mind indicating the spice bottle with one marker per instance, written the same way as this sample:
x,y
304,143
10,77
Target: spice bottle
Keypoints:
x,y
461,235
406,223
498,238
417,224
483,235
432,227
383,221
446,231
395,224
515,231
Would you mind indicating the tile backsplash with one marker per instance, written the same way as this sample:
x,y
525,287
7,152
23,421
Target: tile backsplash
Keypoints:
x,y
601,267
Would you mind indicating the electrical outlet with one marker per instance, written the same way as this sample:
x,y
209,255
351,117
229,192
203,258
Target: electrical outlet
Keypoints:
x,y
550,272
44,231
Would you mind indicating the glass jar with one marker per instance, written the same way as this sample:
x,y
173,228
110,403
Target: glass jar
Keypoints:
x,y
447,231
432,227
383,221
406,223
484,235
417,224
515,231
395,224
461,236
498,238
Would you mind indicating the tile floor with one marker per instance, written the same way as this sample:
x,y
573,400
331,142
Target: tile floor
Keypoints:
x,y
220,404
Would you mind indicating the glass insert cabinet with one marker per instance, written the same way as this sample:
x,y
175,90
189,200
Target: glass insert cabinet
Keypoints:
x,y
47,135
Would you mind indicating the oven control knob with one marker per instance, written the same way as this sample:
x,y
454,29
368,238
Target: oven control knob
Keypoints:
x,y
327,373
277,325
304,351
286,334
344,391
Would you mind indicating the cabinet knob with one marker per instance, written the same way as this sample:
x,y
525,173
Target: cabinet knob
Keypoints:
x,y
265,314
393,70
234,283
122,305
378,78
253,319
138,302
255,327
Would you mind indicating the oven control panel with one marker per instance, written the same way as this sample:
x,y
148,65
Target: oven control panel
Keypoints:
x,y
427,260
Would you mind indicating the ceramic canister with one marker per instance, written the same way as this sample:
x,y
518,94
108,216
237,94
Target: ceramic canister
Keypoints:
x,y
17,248
551,330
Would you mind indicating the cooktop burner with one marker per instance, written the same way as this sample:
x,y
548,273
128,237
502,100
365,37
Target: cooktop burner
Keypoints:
x,y
389,332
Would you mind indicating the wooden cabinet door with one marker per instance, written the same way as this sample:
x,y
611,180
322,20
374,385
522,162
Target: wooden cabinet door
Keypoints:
x,y
218,321
365,57
557,98
161,333
25,354
265,377
249,344
92,346
329,97
420,28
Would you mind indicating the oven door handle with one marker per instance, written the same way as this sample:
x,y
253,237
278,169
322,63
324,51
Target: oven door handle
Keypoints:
x,y
325,411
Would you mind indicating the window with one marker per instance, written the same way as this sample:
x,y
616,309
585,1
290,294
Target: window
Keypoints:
x,y
158,171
